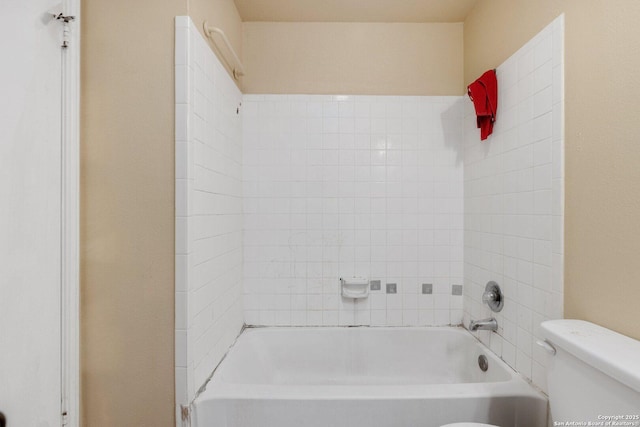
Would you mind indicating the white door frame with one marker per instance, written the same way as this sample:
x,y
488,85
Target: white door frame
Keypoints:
x,y
70,220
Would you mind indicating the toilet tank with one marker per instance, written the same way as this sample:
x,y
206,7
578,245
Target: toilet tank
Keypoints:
x,y
594,376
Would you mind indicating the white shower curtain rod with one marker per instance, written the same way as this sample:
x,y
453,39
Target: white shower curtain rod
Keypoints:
x,y
236,66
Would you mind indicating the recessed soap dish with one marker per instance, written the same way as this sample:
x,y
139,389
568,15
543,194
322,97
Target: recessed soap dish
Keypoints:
x,y
355,287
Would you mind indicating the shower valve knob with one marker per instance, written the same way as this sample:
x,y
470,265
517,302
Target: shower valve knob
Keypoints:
x,y
493,297
488,297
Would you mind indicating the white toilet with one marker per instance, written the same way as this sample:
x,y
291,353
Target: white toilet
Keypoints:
x,y
593,375
469,425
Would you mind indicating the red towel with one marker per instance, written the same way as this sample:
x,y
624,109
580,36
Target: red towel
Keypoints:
x,y
484,94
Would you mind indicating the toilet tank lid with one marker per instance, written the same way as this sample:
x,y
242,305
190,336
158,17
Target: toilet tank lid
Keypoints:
x,y
610,352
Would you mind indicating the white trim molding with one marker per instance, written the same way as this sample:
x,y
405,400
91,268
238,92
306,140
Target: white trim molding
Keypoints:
x,y
70,227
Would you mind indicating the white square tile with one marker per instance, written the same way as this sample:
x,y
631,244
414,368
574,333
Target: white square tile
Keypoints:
x,y
181,348
543,50
182,122
181,313
181,45
181,385
558,84
542,102
542,127
525,63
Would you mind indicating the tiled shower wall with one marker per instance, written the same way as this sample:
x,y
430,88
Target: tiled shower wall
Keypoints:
x,y
208,211
343,186
513,196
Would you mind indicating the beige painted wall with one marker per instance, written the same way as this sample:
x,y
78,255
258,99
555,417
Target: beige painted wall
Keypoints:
x,y
354,10
127,206
353,58
602,201
127,237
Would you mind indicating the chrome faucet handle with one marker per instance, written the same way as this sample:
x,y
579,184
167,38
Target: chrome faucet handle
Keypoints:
x,y
493,297
489,296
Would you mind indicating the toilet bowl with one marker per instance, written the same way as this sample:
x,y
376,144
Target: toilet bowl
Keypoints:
x,y
468,425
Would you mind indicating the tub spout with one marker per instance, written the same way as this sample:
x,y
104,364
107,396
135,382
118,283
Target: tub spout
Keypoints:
x,y
490,324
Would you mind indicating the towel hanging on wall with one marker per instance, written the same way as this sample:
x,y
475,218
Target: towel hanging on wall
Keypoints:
x,y
484,94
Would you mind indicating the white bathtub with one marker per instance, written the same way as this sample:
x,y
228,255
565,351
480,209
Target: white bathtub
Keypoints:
x,y
373,377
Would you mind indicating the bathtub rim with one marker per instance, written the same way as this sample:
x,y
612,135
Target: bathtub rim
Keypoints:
x,y
516,386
